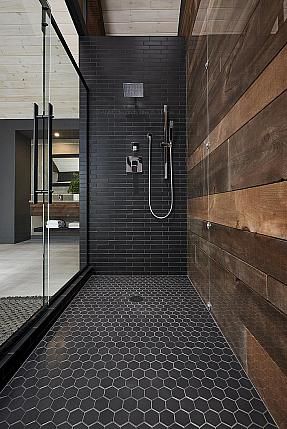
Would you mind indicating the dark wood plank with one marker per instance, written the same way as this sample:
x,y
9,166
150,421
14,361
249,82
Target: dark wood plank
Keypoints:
x,y
253,51
197,267
267,254
270,381
277,294
196,78
234,164
211,175
251,276
188,13
197,180
57,210
269,85
95,21
265,322
258,152
262,209
236,307
225,307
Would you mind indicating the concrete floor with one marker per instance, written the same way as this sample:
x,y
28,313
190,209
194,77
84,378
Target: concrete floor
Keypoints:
x,y
21,266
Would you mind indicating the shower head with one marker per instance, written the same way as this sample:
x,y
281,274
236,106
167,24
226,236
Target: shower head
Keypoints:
x,y
133,90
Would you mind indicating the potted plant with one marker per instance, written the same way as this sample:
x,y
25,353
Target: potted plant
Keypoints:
x,y
74,187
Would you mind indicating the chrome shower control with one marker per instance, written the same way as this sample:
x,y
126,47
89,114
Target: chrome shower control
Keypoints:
x,y
134,164
135,146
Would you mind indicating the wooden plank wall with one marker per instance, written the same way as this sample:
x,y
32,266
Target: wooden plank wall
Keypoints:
x,y
237,172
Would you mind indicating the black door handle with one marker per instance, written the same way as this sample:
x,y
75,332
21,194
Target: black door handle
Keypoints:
x,y
36,153
50,153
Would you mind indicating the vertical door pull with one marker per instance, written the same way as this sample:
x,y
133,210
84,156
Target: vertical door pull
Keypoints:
x,y
36,153
50,150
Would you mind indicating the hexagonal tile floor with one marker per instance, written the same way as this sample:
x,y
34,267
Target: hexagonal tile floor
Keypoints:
x,y
115,362
14,311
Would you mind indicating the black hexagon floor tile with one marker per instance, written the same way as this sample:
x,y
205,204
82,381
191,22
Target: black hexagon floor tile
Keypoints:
x,y
114,362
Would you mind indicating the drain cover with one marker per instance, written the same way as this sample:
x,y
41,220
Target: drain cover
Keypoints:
x,y
136,298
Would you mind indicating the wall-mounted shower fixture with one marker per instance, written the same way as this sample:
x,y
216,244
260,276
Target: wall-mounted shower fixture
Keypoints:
x,y
134,164
133,90
135,146
167,139
167,159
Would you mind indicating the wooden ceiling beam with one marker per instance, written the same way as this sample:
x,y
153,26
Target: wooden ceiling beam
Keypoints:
x,y
93,23
188,12
95,20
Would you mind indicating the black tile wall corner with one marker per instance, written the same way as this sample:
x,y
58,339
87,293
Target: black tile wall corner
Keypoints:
x,y
124,238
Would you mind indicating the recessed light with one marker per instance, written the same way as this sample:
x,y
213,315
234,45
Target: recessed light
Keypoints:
x,y
56,134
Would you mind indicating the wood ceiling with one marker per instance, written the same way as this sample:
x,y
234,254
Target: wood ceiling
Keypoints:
x,y
141,17
21,60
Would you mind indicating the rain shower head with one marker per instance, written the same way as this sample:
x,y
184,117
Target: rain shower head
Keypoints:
x,y
134,90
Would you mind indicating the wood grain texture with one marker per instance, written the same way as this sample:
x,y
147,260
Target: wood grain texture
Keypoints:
x,y
223,298
258,151
270,381
262,209
211,175
187,17
267,254
265,322
197,180
196,54
266,286
277,294
237,307
95,21
255,155
255,48
270,84
21,61
239,183
58,210
251,276
198,267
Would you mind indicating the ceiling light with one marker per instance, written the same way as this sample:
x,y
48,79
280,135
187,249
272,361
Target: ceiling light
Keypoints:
x,y
56,134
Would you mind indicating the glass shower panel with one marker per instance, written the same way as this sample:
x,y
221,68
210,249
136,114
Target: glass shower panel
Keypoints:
x,y
21,226
197,132
63,224
227,47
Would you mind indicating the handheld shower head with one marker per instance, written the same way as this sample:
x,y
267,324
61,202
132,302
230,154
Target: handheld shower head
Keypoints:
x,y
170,132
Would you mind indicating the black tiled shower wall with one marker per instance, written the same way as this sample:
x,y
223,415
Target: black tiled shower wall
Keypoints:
x,y
123,235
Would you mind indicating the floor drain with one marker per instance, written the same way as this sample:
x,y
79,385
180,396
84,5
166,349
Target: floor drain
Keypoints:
x,y
136,298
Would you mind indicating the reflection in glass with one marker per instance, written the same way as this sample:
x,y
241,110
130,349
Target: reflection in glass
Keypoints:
x,y
21,250
39,242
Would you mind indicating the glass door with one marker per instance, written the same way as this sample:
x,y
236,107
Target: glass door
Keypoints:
x,y
23,130
62,225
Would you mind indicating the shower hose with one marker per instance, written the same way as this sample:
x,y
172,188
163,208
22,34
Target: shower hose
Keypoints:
x,y
149,180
